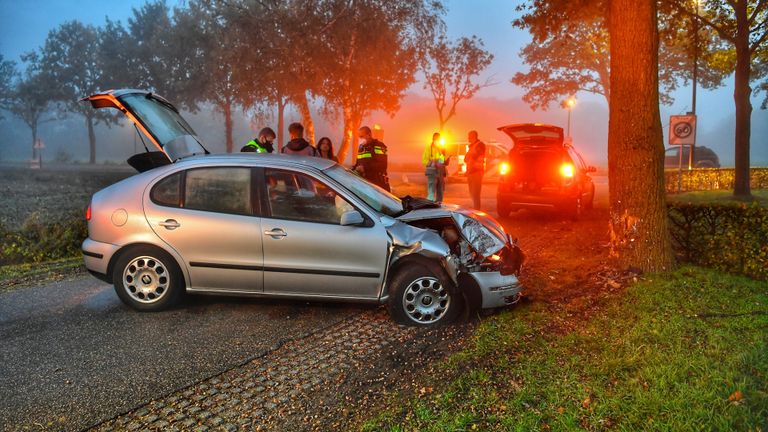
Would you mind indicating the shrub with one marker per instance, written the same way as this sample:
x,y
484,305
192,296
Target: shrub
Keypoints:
x,y
730,237
712,179
36,241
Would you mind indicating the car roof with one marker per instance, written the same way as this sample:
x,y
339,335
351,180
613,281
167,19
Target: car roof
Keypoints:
x,y
271,159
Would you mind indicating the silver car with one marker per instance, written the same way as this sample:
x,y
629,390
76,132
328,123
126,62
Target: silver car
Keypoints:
x,y
283,226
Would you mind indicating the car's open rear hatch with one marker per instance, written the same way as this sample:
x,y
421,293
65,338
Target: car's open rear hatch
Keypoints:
x,y
534,135
170,136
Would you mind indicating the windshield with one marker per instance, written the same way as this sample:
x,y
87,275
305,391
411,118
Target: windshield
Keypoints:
x,y
376,197
169,128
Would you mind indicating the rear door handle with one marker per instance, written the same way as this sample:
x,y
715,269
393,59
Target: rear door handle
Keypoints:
x,y
169,224
276,233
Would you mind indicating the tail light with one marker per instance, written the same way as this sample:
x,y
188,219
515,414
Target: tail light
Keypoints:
x,y
505,168
567,170
88,212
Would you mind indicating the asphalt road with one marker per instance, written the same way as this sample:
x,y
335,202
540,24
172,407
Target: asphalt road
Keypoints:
x,y
73,355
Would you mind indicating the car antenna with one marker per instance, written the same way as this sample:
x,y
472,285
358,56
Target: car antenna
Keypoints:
x,y
142,138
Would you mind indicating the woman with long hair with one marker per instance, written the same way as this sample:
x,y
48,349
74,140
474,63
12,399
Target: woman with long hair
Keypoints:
x,y
325,149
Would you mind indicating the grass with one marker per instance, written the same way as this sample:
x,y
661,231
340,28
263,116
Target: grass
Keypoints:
x,y
17,276
681,351
718,196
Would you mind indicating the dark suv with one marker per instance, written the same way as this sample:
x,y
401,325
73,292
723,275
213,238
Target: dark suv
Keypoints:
x,y
704,157
543,172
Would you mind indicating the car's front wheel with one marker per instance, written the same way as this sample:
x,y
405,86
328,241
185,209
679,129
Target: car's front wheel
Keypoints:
x,y
420,298
147,279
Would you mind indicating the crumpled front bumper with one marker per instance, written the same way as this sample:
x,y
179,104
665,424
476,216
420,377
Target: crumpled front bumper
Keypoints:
x,y
497,290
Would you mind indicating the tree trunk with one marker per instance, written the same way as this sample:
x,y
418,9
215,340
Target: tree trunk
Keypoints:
x,y
348,138
91,139
302,103
741,95
34,141
280,123
638,217
227,110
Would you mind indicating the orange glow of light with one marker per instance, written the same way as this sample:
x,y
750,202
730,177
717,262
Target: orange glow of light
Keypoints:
x,y
495,257
88,213
441,142
505,168
377,126
570,102
567,170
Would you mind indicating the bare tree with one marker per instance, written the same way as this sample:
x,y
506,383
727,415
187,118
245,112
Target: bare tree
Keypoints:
x,y
450,70
29,97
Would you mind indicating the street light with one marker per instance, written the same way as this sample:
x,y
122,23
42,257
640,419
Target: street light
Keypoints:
x,y
570,103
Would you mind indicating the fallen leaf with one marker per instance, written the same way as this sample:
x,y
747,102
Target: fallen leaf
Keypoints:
x,y
586,402
735,396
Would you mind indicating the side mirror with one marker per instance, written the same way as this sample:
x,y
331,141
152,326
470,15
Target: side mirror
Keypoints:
x,y
591,169
352,217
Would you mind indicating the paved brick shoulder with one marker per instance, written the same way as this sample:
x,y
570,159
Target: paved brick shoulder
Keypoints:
x,y
244,398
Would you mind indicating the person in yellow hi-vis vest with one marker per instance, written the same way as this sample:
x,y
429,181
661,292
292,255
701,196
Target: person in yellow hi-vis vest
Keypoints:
x,y
435,161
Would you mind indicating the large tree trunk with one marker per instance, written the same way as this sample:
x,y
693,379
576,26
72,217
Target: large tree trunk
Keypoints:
x,y
638,217
741,95
91,139
226,109
280,123
302,103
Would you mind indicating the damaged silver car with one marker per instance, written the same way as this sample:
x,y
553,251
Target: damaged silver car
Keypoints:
x,y
283,226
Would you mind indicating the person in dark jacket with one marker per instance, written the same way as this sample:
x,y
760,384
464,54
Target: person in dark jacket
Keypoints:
x,y
475,160
325,149
262,144
298,145
372,159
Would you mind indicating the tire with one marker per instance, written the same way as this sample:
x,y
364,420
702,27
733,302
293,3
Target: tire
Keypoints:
x,y
575,210
590,204
417,297
160,282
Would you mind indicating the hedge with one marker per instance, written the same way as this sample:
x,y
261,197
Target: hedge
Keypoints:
x,y
700,179
37,241
729,237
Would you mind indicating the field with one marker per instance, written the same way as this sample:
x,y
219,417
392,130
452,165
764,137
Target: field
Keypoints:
x,y
53,194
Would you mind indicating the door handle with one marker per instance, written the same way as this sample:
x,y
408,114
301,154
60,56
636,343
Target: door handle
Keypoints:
x,y
276,233
169,224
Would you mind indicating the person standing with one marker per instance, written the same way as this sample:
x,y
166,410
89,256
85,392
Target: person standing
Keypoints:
x,y
262,144
372,159
434,167
475,160
298,145
325,149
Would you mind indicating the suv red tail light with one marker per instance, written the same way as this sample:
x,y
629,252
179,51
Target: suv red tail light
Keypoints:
x,y
567,170
88,212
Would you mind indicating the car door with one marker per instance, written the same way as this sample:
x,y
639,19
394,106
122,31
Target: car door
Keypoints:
x,y
306,250
207,216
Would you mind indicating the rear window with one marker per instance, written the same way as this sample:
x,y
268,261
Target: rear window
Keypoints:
x,y
220,190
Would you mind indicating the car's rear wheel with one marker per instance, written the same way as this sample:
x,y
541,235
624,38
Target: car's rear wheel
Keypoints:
x,y
420,298
147,278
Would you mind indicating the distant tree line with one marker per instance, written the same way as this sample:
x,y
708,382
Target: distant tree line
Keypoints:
x,y
349,57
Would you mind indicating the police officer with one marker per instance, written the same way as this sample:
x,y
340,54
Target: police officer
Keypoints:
x,y
262,144
372,159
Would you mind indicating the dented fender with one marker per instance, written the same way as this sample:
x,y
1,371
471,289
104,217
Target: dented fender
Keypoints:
x,y
408,240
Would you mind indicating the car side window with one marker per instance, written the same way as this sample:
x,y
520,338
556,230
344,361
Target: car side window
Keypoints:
x,y
220,189
167,192
297,196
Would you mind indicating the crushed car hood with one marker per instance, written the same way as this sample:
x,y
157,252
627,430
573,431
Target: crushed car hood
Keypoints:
x,y
483,232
